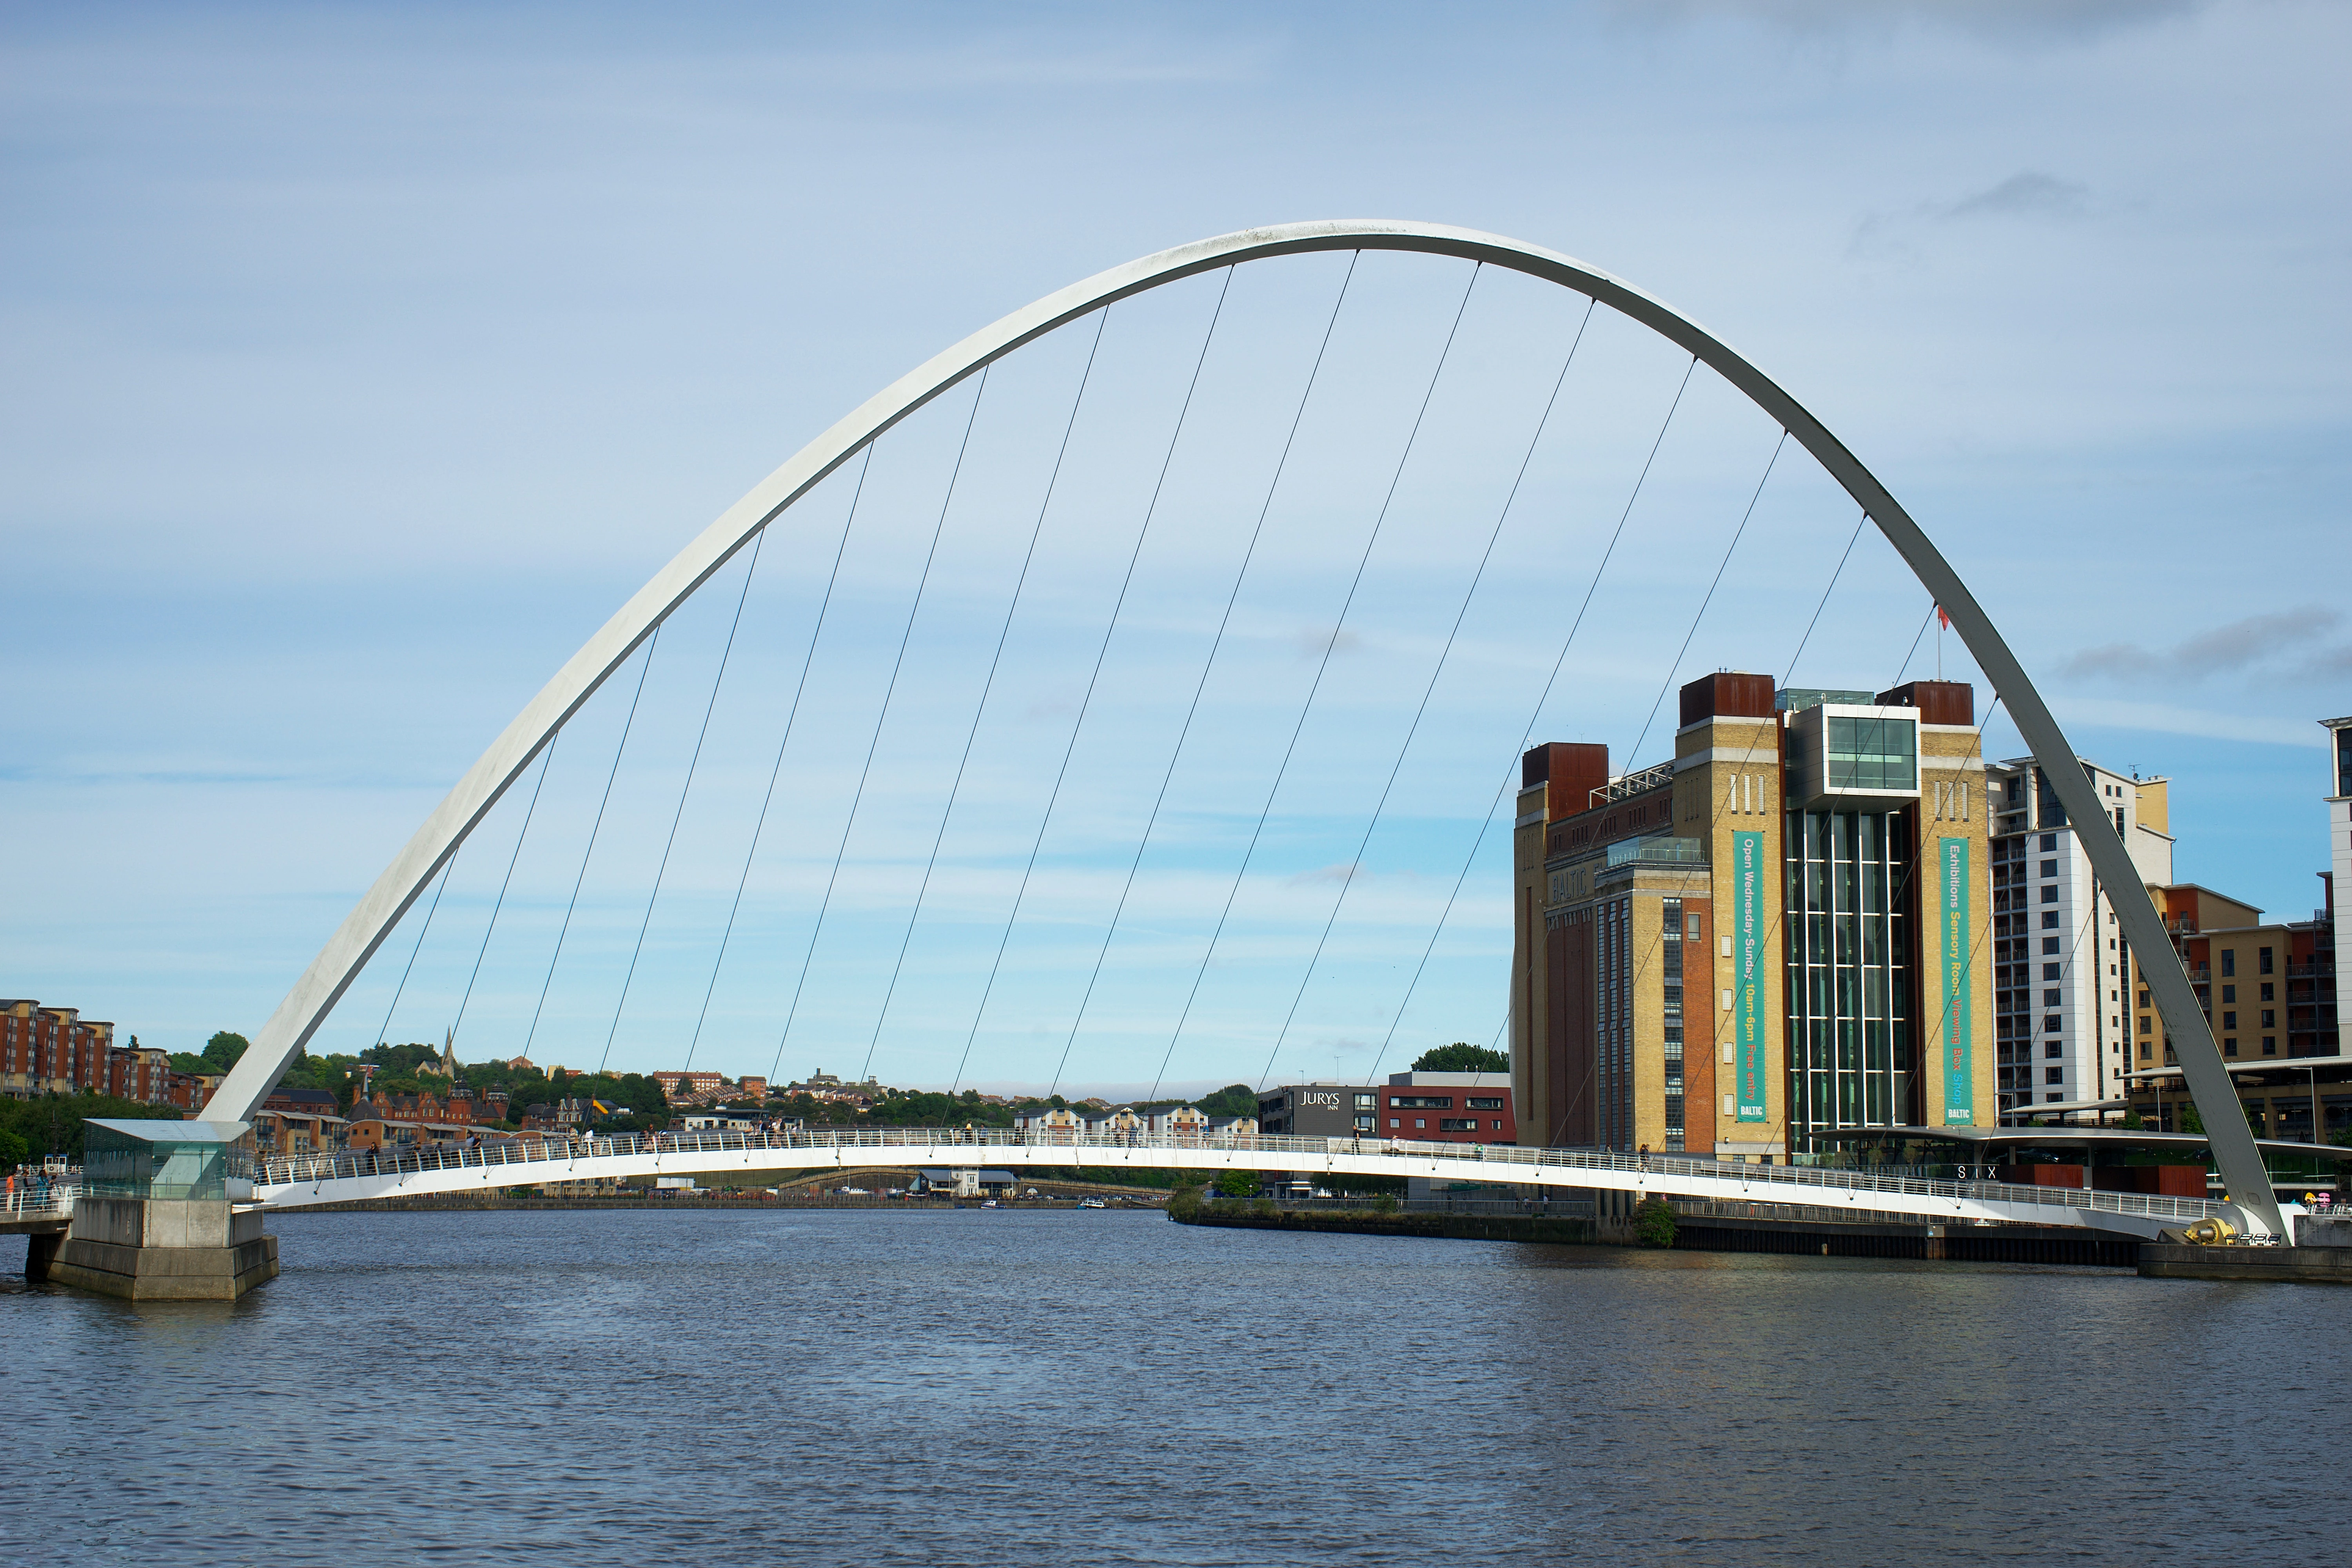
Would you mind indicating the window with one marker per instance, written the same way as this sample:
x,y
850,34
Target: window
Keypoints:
x,y
2050,997
2143,1029
2049,943
2143,1046
1872,754
1498,1126
1457,1124
2050,868
2267,996
1692,922
2049,972
1476,1102
2052,1049
2270,1045
2053,1075
2229,1045
2050,922
1363,1102
1394,1124
2229,1020
2048,842
2050,894
2229,961
2229,993
1421,1121
1422,1102
1363,1124
2270,1018
2051,1025
2143,1002
2264,956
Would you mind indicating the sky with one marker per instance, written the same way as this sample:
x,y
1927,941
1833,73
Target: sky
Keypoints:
x,y
363,360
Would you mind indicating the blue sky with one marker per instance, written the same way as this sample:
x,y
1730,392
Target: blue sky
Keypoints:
x,y
363,359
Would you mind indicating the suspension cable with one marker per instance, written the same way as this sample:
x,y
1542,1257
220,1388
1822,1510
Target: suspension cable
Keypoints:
x,y
386,1026
1322,666
988,685
1535,717
652,645
1086,702
1218,642
684,791
1915,641
1460,613
873,742
546,762
808,657
1721,566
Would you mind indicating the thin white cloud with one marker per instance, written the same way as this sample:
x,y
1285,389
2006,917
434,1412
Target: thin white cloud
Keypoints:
x,y
2173,719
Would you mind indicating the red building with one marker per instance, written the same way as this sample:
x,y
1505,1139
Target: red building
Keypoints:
x,y
1448,1107
56,1050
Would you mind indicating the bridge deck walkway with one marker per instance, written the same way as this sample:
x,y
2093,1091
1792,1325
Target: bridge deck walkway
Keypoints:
x,y
303,1180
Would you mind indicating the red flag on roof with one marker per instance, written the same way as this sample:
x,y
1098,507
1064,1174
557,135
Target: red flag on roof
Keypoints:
x,y
1944,616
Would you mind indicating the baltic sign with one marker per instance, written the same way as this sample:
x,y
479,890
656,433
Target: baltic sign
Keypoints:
x,y
1959,1081
1747,1000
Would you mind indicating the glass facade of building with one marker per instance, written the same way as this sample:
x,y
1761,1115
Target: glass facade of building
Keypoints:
x,y
1848,951
174,1161
1872,754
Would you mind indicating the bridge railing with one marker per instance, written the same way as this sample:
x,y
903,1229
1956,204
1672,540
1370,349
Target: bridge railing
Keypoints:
x,y
532,1157
36,1200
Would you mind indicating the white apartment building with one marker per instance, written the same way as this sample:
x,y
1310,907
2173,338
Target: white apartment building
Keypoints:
x,y
2062,975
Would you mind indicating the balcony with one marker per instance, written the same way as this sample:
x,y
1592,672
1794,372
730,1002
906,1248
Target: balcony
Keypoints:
x,y
1626,786
1658,851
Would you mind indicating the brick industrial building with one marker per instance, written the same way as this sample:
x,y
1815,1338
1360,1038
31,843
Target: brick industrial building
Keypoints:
x,y
1780,932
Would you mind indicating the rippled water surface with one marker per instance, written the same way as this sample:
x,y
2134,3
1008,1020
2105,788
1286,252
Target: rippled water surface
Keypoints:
x,y
1001,1387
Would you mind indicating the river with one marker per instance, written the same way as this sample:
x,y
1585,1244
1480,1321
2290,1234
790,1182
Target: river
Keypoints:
x,y
872,1387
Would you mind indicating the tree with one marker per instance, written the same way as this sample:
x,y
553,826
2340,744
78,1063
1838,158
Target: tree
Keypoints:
x,y
1654,1223
52,1125
1238,1184
1234,1100
1462,1057
222,1049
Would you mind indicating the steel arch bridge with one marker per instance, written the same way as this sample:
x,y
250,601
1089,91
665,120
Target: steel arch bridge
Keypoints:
x,y
338,964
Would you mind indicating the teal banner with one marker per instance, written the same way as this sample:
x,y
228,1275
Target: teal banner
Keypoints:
x,y
1748,999
1960,1077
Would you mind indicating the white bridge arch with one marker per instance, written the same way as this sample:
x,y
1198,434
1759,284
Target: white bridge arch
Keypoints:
x,y
322,984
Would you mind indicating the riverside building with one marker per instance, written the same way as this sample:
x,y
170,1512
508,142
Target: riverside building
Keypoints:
x,y
1778,933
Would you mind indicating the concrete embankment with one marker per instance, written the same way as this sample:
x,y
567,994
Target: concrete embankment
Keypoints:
x,y
1369,1222
2294,1265
1981,1244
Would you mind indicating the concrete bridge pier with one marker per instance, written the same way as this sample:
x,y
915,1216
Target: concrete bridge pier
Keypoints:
x,y
165,1214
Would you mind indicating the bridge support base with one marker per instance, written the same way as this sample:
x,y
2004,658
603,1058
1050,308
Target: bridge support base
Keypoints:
x,y
155,1249
41,1251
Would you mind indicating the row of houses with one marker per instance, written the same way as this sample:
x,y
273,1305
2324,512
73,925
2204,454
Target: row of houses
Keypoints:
x,y
1050,1123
